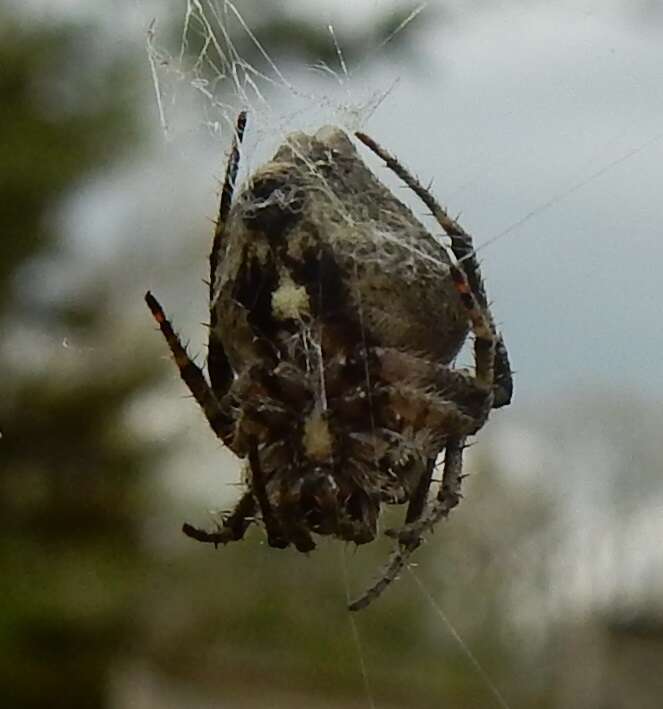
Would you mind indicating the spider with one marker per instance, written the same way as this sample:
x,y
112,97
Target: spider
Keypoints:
x,y
335,319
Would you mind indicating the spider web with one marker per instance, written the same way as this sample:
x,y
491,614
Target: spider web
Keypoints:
x,y
209,73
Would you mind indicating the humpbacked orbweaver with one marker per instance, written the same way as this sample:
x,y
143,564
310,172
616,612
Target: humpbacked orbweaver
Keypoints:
x,y
335,318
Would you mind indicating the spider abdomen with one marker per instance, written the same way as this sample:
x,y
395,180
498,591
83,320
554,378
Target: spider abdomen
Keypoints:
x,y
316,218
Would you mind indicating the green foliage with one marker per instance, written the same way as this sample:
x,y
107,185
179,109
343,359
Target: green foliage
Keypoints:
x,y
70,471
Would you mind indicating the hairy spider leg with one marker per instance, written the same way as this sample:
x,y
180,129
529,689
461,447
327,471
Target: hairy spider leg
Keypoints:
x,y
503,386
448,497
463,249
220,372
234,526
226,198
418,501
275,536
222,424
484,336
295,530
420,517
489,353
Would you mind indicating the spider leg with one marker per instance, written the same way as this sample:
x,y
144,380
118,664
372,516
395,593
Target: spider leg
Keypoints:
x,y
234,526
297,532
226,198
448,496
503,386
222,424
300,537
418,501
291,516
275,536
410,537
484,334
463,249
220,372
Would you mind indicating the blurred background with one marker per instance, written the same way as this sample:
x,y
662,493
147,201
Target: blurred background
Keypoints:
x,y
541,127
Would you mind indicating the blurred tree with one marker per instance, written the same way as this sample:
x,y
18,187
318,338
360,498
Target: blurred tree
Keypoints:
x,y
69,470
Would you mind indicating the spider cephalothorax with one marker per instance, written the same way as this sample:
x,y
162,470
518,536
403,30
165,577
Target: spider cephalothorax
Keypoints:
x,y
334,319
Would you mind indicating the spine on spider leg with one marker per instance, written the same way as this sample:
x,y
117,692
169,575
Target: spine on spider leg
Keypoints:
x,y
482,326
234,526
501,367
468,281
461,242
191,374
463,249
411,536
